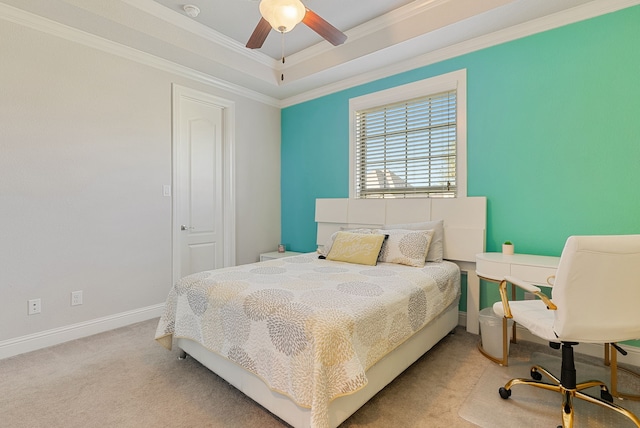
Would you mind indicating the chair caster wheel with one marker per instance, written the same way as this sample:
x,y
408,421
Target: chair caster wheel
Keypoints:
x,y
504,392
606,395
535,374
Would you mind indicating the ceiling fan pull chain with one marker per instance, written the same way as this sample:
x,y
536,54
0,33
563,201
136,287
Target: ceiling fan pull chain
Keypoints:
x,y
282,74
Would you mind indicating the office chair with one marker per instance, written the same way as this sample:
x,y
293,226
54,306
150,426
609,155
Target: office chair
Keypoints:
x,y
594,299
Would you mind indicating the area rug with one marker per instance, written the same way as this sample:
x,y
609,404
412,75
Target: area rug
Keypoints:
x,y
534,407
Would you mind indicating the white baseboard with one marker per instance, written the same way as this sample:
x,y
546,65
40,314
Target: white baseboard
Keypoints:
x,y
56,336
462,318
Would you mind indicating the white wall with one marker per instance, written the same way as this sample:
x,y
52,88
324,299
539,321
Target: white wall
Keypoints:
x,y
85,148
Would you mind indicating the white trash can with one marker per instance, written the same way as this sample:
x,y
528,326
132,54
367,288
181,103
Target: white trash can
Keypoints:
x,y
491,332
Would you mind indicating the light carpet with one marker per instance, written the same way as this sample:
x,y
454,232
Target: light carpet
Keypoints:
x,y
534,407
124,379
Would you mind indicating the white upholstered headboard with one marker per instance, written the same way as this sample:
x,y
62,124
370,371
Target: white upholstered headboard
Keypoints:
x,y
465,219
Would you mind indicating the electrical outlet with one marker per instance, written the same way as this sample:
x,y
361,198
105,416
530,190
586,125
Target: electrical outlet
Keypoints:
x,y
35,306
76,298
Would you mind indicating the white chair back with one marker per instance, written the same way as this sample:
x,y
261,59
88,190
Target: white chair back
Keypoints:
x,y
597,289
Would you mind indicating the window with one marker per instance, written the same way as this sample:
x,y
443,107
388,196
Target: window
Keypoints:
x,y
410,141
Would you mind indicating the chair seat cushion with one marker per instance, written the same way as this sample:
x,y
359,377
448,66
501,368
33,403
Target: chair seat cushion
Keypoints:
x,y
533,315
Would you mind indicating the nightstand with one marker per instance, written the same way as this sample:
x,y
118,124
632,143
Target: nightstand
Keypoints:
x,y
276,255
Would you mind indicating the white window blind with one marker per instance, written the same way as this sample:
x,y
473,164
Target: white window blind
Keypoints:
x,y
407,148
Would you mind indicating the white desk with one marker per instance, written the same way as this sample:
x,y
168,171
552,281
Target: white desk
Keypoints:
x,y
495,266
535,269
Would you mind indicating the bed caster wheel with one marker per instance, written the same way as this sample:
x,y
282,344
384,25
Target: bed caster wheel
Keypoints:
x,y
504,392
606,395
535,374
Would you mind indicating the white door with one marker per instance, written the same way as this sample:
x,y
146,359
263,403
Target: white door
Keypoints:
x,y
198,184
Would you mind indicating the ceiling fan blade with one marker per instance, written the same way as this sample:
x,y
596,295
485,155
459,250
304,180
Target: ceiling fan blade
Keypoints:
x,y
259,35
322,27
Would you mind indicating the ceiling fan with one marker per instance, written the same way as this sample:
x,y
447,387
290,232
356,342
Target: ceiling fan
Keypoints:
x,y
283,15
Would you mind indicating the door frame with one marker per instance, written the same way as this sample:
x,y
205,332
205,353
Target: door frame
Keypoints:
x,y
178,93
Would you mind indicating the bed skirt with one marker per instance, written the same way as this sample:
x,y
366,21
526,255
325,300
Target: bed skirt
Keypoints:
x,y
379,375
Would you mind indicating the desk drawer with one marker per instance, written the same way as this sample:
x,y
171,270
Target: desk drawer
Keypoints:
x,y
493,270
536,274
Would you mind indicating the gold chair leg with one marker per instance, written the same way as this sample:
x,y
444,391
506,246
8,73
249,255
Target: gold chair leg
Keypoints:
x,y
569,394
591,384
612,406
611,351
547,373
531,382
567,409
504,361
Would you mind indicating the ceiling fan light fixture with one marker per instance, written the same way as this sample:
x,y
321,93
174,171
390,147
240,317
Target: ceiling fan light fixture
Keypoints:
x,y
283,15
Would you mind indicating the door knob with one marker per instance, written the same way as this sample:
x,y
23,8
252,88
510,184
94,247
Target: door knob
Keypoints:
x,y
183,227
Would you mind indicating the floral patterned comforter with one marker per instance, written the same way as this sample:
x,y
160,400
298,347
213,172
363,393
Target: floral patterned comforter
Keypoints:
x,y
309,328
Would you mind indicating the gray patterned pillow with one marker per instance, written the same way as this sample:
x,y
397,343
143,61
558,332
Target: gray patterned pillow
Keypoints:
x,y
405,247
436,248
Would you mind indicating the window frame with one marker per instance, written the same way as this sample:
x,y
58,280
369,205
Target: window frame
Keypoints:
x,y
455,80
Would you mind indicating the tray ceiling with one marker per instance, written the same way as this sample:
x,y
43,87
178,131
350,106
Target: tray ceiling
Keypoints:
x,y
384,36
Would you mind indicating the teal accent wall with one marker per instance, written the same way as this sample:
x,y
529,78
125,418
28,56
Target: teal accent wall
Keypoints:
x,y
553,137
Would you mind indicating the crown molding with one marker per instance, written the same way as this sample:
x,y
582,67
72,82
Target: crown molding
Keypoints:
x,y
409,54
394,17
39,23
161,12
556,20
380,23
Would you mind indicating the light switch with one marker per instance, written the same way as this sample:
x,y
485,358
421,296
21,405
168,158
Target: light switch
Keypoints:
x,y
166,190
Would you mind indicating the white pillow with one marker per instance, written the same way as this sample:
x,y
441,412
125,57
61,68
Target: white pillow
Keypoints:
x,y
405,247
327,245
436,248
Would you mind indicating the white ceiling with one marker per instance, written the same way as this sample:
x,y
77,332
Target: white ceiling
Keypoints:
x,y
238,18
384,36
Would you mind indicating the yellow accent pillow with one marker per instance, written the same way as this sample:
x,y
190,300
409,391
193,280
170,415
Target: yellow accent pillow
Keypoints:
x,y
356,248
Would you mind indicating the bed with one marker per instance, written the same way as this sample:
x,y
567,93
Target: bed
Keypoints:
x,y
313,339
